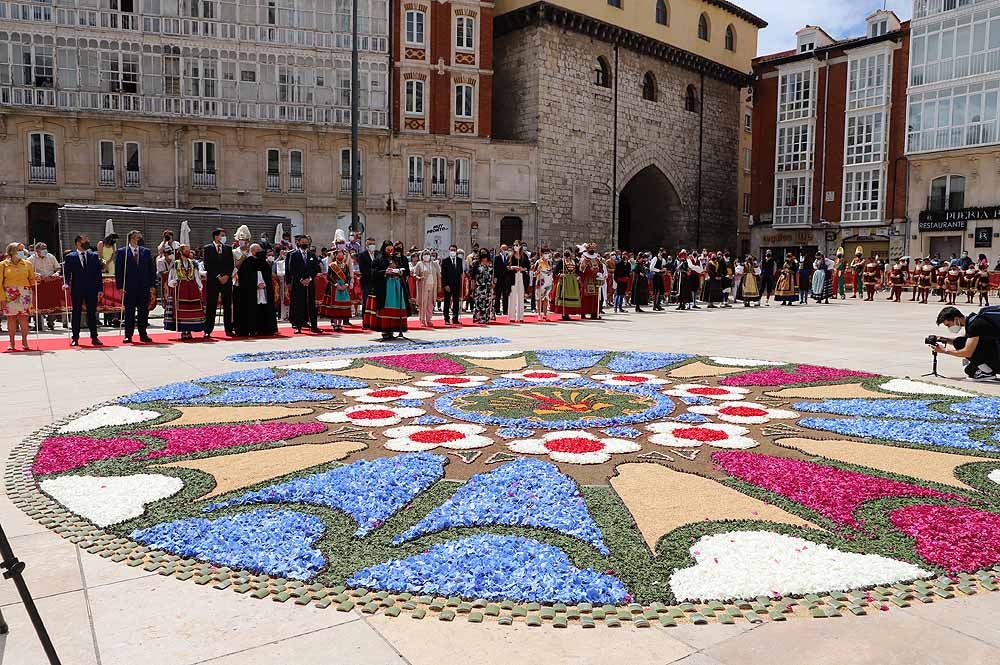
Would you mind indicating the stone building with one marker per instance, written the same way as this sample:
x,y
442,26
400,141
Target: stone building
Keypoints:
x,y
636,112
954,129
829,128
245,105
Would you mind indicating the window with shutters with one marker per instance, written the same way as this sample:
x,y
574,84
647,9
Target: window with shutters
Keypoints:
x,y
273,174
439,176
415,175
41,158
203,165
106,163
132,167
462,178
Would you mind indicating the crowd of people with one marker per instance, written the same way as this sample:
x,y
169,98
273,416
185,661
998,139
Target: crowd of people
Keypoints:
x,y
256,283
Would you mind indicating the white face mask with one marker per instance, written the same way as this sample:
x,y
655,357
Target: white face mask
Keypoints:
x,y
452,254
426,258
222,240
43,253
955,329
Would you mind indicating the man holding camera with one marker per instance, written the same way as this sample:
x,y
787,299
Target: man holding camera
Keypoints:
x,y
980,345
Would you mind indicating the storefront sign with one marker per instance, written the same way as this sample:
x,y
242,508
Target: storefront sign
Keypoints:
x,y
788,238
984,236
955,220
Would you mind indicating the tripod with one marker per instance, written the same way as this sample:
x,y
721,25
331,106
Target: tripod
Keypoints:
x,y
12,570
933,371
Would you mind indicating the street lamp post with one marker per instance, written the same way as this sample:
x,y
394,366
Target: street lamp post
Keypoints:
x,y
355,94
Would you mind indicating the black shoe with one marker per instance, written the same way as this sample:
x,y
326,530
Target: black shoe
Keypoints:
x,y
640,310
316,330
447,322
297,330
74,342
207,335
96,342
127,340
145,339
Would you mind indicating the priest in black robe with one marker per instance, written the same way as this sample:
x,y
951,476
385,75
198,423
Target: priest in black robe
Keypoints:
x,y
254,296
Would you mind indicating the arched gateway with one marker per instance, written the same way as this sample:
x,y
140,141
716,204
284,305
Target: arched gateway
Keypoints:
x,y
649,212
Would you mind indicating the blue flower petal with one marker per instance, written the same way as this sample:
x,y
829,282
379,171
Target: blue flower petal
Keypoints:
x,y
623,432
878,408
953,435
244,376
431,420
526,492
370,491
494,567
514,432
642,361
296,379
980,407
691,418
257,395
695,401
270,356
170,393
569,359
278,542
410,402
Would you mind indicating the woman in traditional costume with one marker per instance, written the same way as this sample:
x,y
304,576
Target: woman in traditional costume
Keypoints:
x,y
749,291
483,281
822,279
387,308
337,297
784,287
542,273
565,287
427,275
183,311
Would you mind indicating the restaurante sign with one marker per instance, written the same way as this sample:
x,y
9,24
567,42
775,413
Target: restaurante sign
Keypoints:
x,y
955,220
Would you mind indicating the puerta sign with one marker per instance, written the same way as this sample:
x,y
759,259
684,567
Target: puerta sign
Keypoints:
x,y
955,220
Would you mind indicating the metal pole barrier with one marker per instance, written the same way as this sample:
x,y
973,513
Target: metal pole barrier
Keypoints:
x,y
68,311
121,319
12,570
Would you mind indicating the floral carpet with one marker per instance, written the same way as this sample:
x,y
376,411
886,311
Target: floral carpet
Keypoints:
x,y
561,486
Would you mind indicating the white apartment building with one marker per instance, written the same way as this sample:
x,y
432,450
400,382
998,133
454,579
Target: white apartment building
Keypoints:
x,y
227,105
953,132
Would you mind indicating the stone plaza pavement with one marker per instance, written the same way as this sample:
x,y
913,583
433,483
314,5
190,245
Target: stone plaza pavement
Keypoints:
x,y
104,613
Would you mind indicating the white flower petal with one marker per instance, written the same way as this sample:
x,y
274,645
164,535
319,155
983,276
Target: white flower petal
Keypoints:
x,y
113,499
911,387
619,446
339,363
743,362
747,564
108,416
528,446
567,434
596,457
407,446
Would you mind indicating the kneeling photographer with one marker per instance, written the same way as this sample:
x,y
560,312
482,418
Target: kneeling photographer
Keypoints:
x,y
980,346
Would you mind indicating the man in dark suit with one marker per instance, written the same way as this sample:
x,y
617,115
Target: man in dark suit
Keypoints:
x,y
301,268
82,277
135,276
451,281
504,279
366,257
219,266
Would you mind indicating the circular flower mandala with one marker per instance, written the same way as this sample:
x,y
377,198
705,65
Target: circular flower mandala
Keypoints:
x,y
387,394
685,435
743,413
417,438
529,470
371,416
630,379
574,447
711,392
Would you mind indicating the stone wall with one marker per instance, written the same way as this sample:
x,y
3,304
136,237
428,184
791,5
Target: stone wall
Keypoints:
x,y
546,92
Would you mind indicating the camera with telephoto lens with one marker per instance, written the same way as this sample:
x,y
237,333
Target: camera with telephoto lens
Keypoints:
x,y
934,340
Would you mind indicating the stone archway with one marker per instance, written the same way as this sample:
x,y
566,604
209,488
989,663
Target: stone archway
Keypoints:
x,y
649,212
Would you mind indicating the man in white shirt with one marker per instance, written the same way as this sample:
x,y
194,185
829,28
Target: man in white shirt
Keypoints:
x,y
46,266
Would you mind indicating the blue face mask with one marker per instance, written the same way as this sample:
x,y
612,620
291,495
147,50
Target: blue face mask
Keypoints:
x,y
23,254
43,253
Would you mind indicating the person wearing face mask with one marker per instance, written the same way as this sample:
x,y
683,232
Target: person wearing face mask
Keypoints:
x,y
254,296
979,348
427,274
163,263
565,287
387,307
83,279
484,282
452,269
219,267
366,259
183,311
518,266
504,280
542,272
337,297
46,269
301,267
135,277
17,286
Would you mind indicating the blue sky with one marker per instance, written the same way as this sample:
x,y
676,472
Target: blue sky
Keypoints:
x,y
840,18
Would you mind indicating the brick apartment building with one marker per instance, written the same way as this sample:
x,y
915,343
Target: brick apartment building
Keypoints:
x,y
829,131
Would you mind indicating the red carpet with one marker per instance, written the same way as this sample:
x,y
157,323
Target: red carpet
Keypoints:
x,y
112,338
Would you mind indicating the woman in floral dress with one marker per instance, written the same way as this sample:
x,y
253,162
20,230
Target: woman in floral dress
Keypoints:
x,y
17,284
543,283
483,281
183,309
